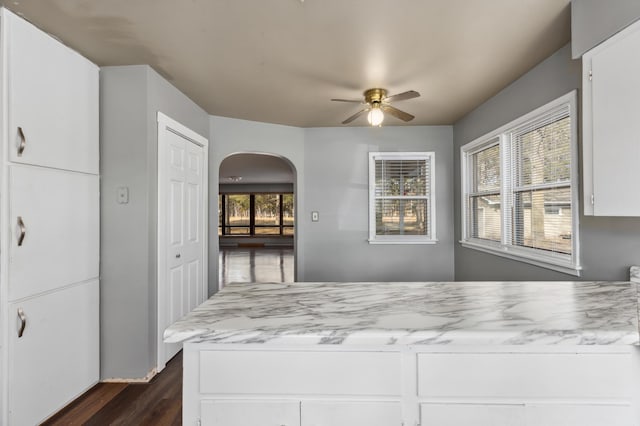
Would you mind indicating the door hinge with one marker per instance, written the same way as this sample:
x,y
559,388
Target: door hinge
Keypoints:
x,y
590,75
593,199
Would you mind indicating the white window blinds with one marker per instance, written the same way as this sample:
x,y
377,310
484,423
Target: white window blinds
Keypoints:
x,y
519,188
484,198
401,202
541,188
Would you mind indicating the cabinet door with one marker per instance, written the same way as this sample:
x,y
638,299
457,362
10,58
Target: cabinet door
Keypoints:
x,y
328,413
52,99
58,214
250,413
471,414
612,128
57,357
578,415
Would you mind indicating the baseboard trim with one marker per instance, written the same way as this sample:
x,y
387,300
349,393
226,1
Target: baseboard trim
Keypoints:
x,y
146,379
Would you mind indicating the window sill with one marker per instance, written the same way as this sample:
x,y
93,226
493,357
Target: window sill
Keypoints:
x,y
542,261
403,241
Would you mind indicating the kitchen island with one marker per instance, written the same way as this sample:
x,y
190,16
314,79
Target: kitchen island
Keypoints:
x,y
436,353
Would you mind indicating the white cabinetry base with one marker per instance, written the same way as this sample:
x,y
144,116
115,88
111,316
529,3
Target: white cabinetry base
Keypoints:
x,y
410,385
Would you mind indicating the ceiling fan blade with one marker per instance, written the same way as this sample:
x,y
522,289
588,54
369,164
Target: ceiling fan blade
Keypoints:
x,y
348,100
404,116
402,96
354,116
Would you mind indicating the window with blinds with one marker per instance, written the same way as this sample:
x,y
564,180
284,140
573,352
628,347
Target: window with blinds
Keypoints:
x,y
484,197
401,200
520,188
542,183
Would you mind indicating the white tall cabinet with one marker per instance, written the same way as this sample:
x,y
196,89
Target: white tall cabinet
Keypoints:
x,y
611,137
49,218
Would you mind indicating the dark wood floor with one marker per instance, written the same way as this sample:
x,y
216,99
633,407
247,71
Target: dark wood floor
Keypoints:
x,y
156,403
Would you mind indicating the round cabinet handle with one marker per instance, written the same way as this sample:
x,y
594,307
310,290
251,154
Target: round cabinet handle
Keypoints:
x,y
23,142
23,322
178,257
23,231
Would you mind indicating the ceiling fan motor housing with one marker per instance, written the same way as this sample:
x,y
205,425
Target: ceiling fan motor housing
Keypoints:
x,y
376,95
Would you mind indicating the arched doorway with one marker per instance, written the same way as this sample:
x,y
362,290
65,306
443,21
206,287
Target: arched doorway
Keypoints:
x,y
256,222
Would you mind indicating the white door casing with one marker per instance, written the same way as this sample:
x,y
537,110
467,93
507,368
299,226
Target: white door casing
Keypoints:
x,y
182,226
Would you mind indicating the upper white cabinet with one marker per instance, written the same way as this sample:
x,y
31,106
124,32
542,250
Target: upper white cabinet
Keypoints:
x,y
611,124
52,99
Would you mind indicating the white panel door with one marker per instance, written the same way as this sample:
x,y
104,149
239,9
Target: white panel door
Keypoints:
x,y
184,198
52,100
329,413
193,246
57,357
54,218
250,413
615,101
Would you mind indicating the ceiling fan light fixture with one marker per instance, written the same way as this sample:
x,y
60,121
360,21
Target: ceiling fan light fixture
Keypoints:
x,y
375,117
377,103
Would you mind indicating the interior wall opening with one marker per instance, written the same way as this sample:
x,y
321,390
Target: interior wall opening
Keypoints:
x,y
256,219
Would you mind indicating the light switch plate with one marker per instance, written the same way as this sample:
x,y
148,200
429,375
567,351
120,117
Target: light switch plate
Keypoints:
x,y
315,216
122,195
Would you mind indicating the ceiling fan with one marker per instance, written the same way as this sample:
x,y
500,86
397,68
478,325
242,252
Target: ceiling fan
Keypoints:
x,y
377,103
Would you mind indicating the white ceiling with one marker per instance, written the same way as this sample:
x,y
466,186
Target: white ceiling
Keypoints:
x,y
280,61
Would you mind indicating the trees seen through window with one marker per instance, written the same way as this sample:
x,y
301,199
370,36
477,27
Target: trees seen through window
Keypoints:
x,y
256,214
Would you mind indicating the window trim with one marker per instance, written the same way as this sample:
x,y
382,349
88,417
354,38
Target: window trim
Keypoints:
x,y
402,239
569,264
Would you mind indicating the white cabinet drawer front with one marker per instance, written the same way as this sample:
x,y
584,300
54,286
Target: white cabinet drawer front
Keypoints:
x,y
578,415
328,413
524,375
57,357
60,214
249,413
471,414
284,372
53,98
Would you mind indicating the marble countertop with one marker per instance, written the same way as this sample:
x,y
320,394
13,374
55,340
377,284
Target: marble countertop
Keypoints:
x,y
440,313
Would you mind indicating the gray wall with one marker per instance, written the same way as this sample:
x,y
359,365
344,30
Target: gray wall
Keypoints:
x,y
124,275
331,166
593,21
608,245
232,136
130,97
336,185
239,188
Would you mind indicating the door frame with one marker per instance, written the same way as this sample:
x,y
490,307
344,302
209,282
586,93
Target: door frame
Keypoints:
x,y
167,124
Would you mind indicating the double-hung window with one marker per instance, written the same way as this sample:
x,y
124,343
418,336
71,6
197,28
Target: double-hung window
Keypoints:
x,y
401,198
520,189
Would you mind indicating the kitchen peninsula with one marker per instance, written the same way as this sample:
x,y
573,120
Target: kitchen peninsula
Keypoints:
x,y
435,353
